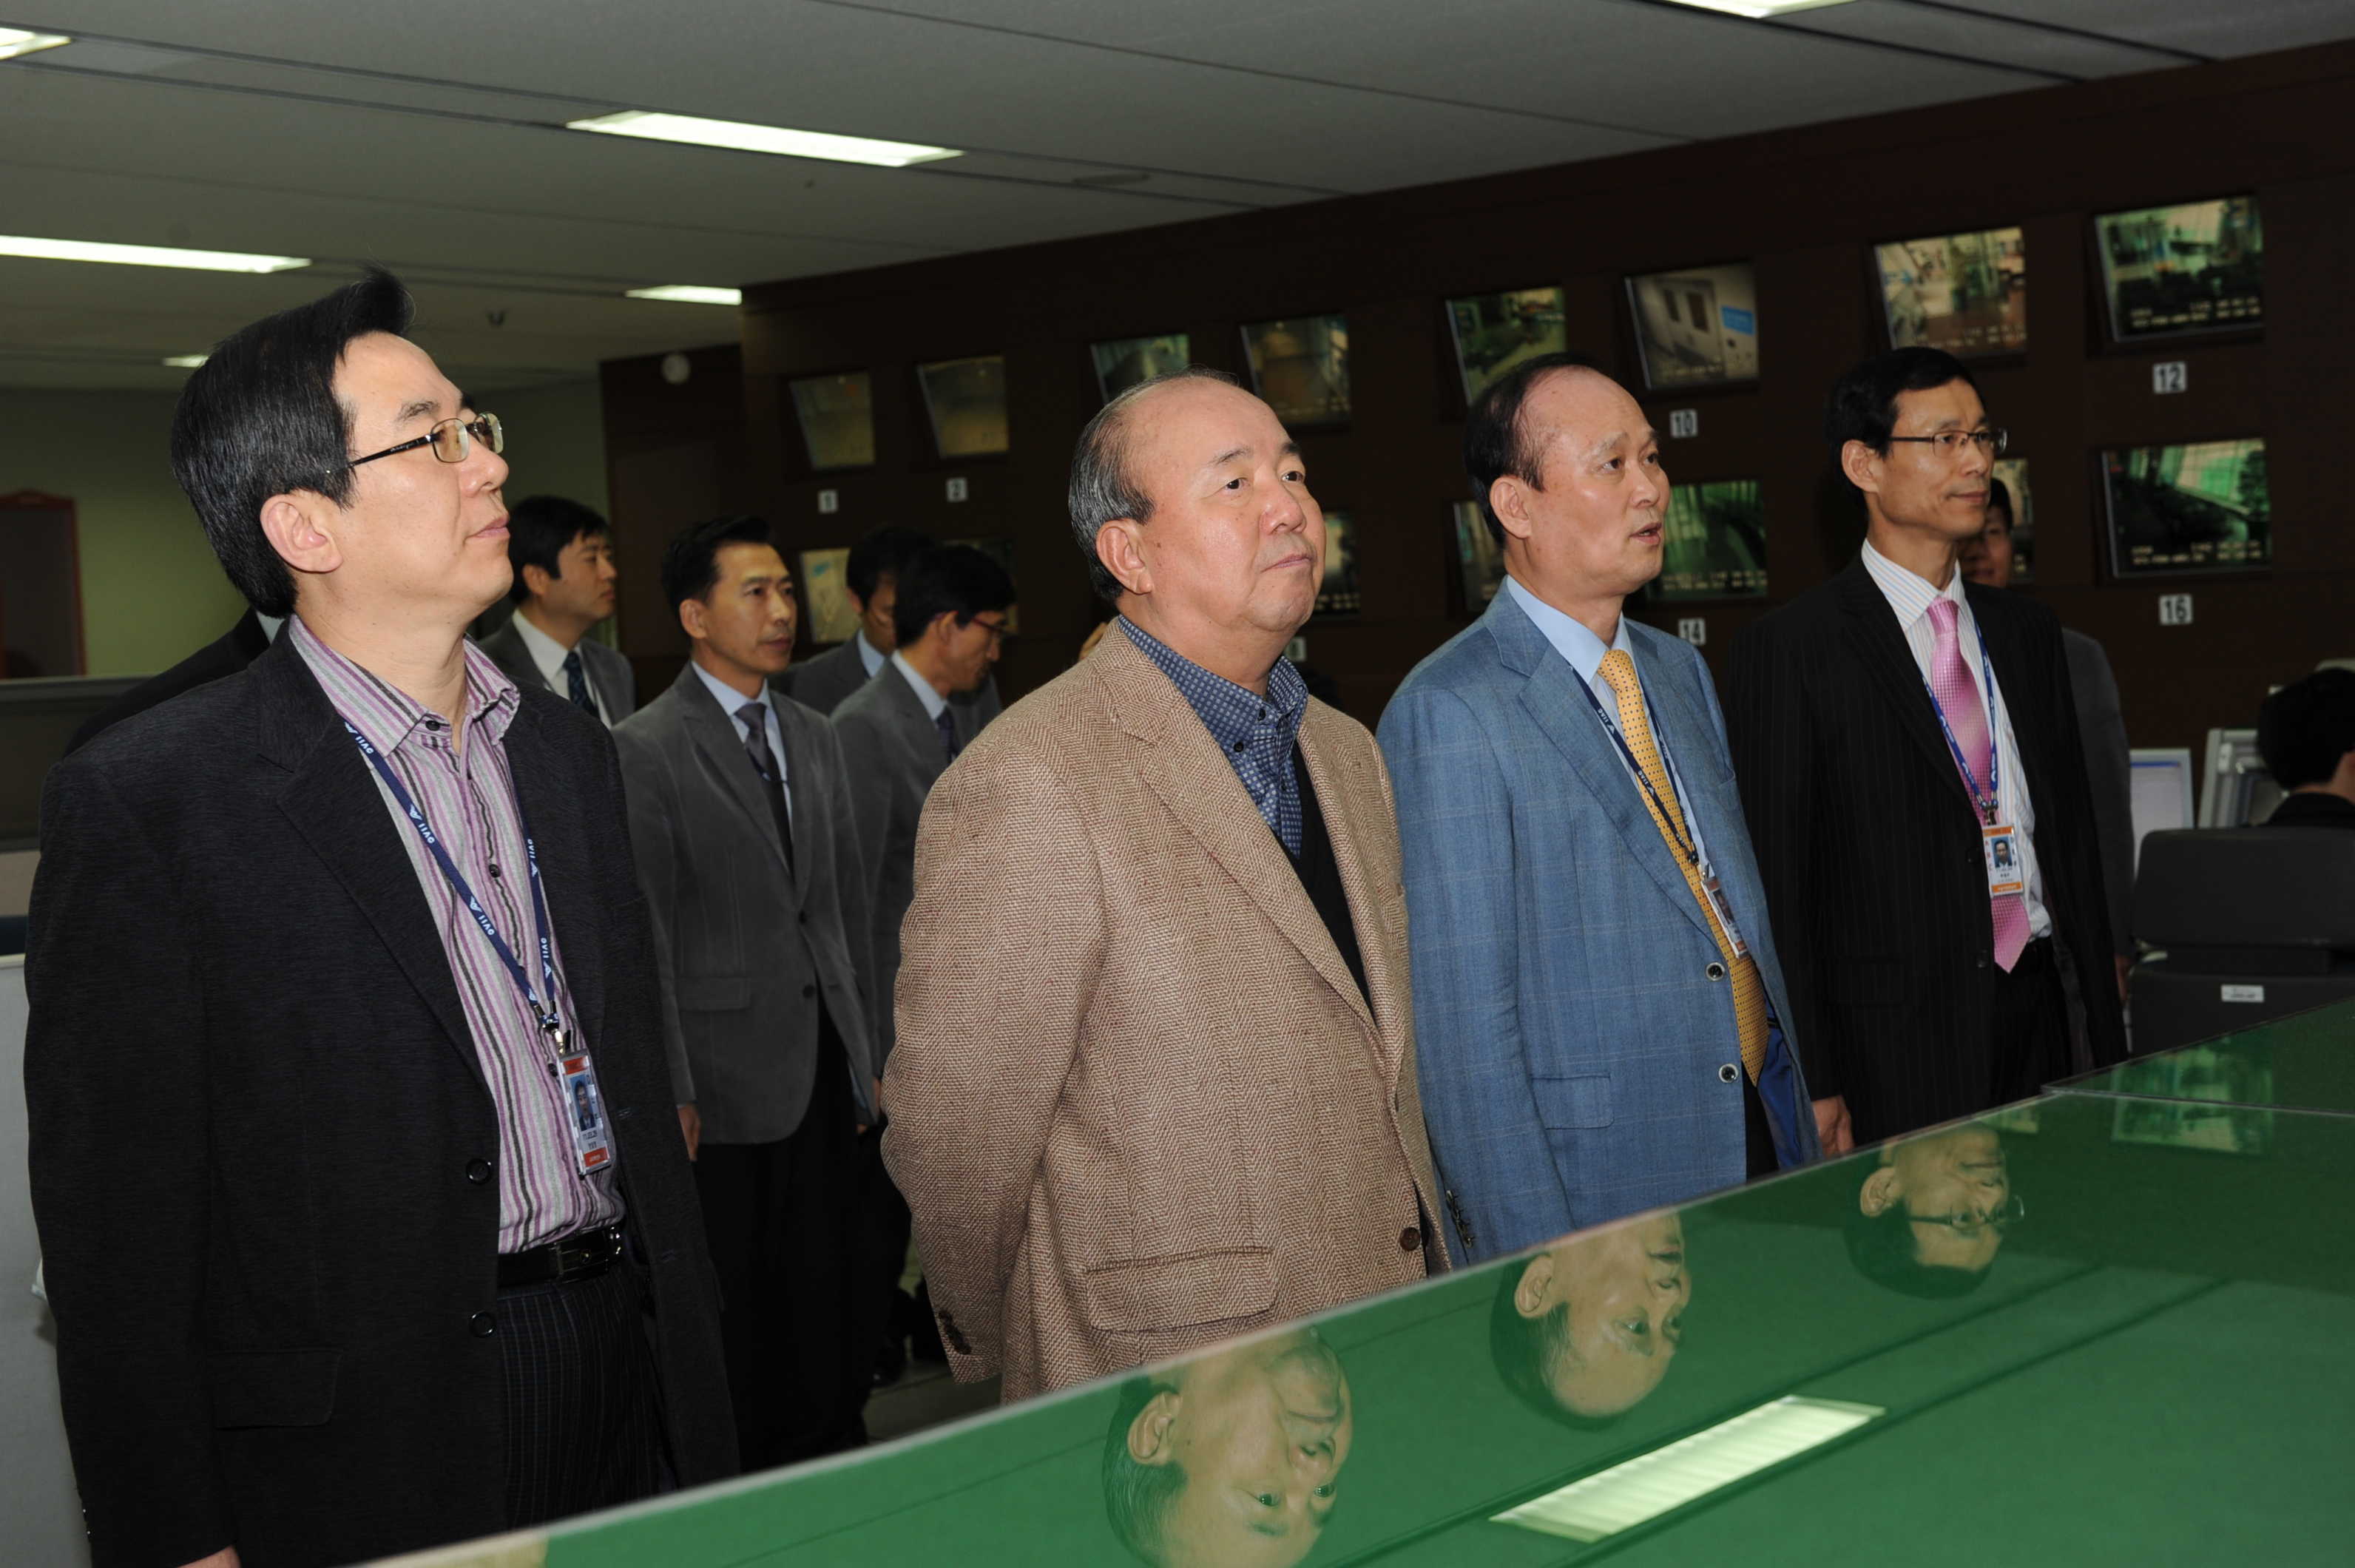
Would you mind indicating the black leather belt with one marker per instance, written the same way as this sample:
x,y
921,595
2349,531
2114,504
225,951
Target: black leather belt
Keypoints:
x,y
583,1255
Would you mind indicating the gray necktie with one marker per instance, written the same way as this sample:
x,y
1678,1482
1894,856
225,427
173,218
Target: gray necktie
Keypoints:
x,y
756,745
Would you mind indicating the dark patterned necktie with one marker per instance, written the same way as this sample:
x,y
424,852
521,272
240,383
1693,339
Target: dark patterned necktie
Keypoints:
x,y
756,745
575,682
947,726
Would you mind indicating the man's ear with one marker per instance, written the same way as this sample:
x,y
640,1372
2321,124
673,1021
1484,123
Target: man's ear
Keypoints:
x,y
1533,1297
692,618
1883,1190
1862,466
1122,551
1508,494
300,525
536,580
1148,1434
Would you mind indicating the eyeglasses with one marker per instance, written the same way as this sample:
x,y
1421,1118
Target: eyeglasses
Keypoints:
x,y
451,439
999,631
2007,1214
1950,442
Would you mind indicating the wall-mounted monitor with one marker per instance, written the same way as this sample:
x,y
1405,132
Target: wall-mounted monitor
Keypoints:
x,y
2200,506
1123,364
1698,325
1338,595
833,618
1301,367
966,399
1496,332
1479,556
2012,473
837,419
1967,293
2169,271
1713,543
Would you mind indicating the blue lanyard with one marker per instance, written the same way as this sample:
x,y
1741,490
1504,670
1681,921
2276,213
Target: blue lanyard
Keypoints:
x,y
1684,842
546,1014
1990,804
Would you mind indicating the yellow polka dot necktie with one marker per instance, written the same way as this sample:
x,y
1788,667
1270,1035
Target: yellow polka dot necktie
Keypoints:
x,y
1636,727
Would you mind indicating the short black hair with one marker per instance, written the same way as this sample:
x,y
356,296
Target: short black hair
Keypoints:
x,y
1863,404
1494,442
542,527
1137,1498
690,563
1883,1248
878,550
1999,500
950,579
2304,729
259,418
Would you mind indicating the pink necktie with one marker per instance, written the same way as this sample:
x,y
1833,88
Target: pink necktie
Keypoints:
x,y
1959,698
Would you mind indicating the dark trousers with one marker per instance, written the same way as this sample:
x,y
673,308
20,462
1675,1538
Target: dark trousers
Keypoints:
x,y
1757,1132
883,1226
584,1424
2029,1020
780,1220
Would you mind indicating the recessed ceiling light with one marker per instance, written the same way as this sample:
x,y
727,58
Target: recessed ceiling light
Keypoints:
x,y
1757,7
186,362
762,139
15,41
689,294
146,255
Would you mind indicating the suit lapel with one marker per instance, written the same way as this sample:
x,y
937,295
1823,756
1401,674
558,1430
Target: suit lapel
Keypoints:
x,y
1339,810
915,725
333,800
560,842
1873,635
723,754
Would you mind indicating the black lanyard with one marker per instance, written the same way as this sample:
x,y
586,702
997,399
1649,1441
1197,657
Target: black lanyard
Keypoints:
x,y
545,1013
1673,821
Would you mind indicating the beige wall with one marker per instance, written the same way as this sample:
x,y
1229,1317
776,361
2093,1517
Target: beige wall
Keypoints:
x,y
152,593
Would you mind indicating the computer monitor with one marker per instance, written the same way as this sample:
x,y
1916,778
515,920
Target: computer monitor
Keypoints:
x,y
2234,787
2162,791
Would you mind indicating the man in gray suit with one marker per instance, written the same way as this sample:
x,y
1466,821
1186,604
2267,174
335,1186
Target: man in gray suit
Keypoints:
x,y
563,557
741,823
871,578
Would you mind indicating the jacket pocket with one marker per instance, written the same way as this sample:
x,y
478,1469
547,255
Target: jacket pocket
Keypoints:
x,y
274,1388
1583,1101
1179,1292
1864,983
714,993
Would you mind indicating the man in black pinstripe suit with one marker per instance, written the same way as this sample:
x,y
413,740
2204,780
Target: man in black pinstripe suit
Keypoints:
x,y
1909,763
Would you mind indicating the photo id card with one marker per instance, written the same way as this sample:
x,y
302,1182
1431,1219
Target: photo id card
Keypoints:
x,y
1724,908
2007,871
593,1145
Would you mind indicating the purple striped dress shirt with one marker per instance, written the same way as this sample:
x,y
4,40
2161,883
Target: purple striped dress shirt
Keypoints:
x,y
470,800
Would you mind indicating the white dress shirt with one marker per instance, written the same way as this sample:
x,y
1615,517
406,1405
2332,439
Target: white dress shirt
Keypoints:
x,y
548,654
1911,597
867,654
730,700
935,703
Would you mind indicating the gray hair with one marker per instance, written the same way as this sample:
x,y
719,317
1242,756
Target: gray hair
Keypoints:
x,y
1102,486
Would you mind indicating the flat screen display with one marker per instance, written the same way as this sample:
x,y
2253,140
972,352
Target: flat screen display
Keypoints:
x,y
2200,506
1339,593
833,618
1124,363
1698,325
1479,556
836,414
966,399
2169,271
1301,367
1967,293
1496,332
1714,544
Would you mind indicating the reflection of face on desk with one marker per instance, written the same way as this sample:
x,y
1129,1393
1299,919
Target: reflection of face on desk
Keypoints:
x,y
1931,1215
1233,1458
1587,1327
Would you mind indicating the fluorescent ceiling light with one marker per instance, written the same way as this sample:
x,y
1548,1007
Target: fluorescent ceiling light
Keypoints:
x,y
15,41
762,139
1757,7
146,255
1649,1485
689,294
186,362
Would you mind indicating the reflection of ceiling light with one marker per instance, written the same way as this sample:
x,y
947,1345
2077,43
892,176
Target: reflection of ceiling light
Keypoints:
x,y
146,255
762,139
186,361
1649,1485
15,41
1757,7
689,294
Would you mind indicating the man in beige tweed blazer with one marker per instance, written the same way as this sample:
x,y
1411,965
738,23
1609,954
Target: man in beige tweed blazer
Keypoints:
x,y
1155,1082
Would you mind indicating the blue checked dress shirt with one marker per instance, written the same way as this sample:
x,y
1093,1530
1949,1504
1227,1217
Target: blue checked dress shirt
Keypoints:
x,y
1257,733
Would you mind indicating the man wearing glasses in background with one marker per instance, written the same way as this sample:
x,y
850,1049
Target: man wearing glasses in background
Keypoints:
x,y
1891,730
367,1219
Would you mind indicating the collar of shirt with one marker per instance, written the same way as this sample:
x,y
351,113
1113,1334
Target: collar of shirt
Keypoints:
x,y
1908,594
1570,638
730,700
1233,714
547,653
271,626
935,703
390,716
867,654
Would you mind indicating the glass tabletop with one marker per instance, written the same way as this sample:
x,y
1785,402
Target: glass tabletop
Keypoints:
x,y
2305,1061
2083,1329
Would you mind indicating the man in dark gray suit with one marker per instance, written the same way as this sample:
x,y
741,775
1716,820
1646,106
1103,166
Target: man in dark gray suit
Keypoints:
x,y
563,557
900,732
742,825
871,578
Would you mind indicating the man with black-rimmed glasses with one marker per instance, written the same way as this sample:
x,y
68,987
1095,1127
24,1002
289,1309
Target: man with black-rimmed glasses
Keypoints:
x,y
366,1219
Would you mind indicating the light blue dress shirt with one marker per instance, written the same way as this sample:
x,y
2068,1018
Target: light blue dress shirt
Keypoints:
x,y
730,700
867,654
935,703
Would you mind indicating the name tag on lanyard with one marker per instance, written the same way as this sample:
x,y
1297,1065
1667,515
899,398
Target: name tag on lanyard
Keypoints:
x,y
592,1143
1723,907
2007,869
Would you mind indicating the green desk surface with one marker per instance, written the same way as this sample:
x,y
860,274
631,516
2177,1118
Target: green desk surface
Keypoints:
x,y
2154,1362
2306,1062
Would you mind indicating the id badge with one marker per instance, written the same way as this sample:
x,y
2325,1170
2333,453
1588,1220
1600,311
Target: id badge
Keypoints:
x,y
1724,908
2007,870
593,1145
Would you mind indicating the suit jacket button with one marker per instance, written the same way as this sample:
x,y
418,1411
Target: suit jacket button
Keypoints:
x,y
1411,1240
482,1325
802,917
478,1171
1727,1073
809,990
1715,971
1983,960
